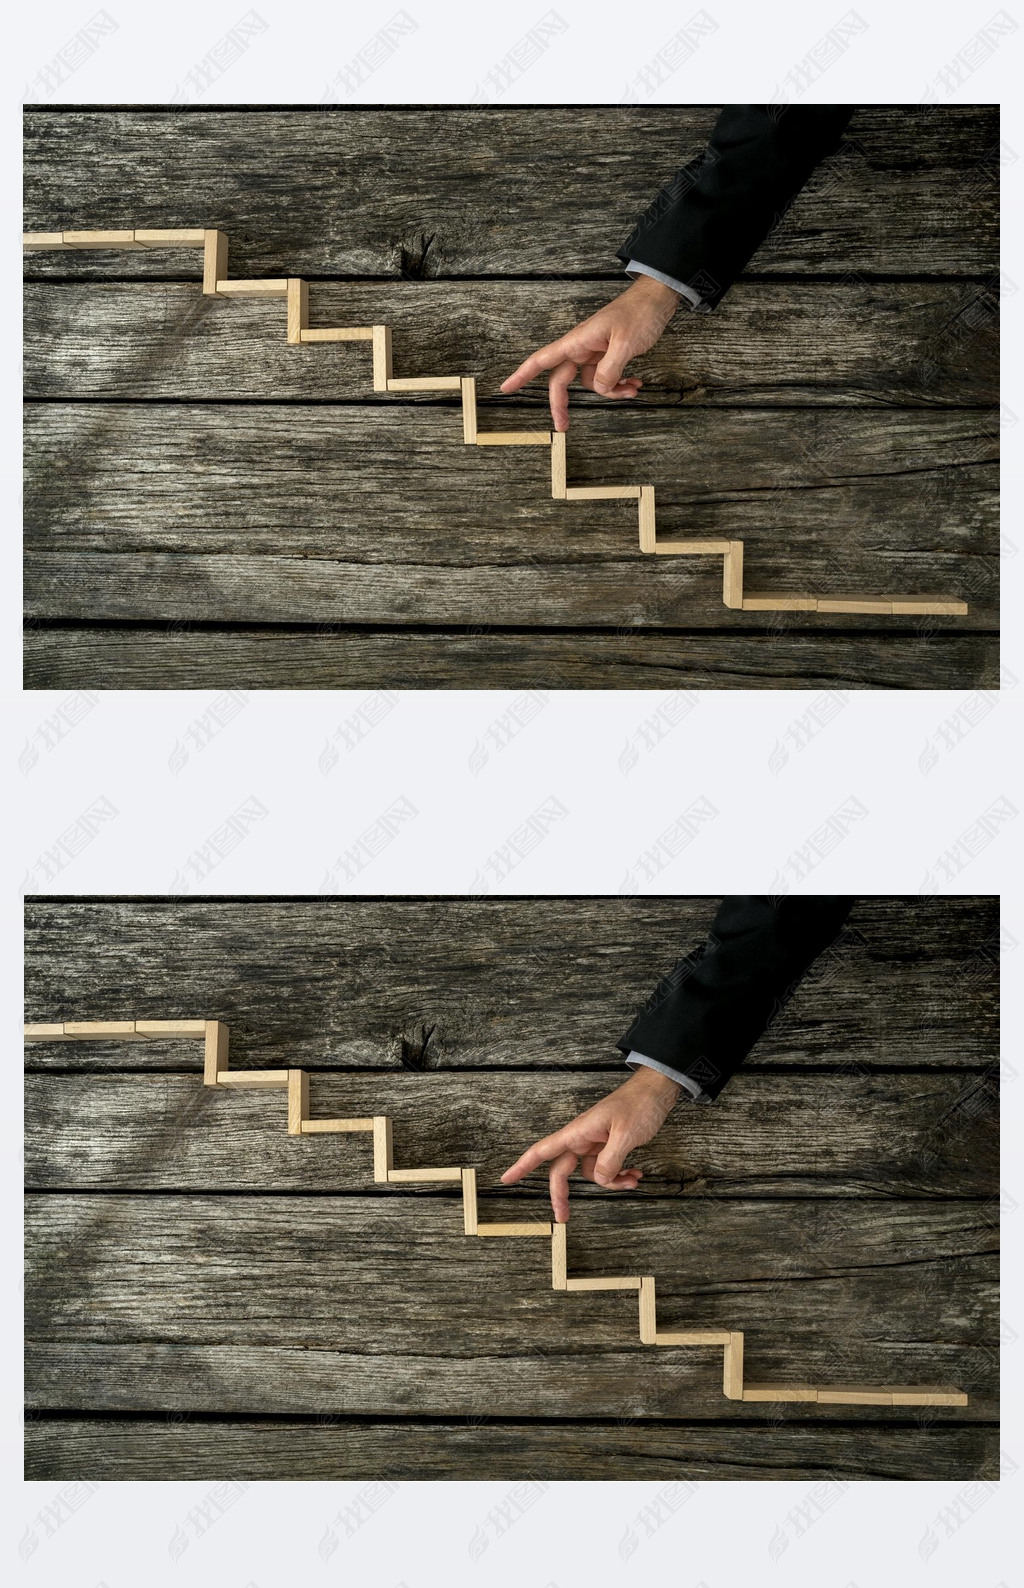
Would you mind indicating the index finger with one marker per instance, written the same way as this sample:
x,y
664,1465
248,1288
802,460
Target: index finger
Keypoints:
x,y
536,364
534,1156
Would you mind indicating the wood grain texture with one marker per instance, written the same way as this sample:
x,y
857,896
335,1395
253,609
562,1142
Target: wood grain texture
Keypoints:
x,y
140,656
850,343
436,192
910,982
772,1135
109,1449
350,516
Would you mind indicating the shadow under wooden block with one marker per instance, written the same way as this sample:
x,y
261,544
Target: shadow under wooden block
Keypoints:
x,y
383,1149
603,1284
215,260
648,1312
298,1100
732,1369
215,1052
514,1229
469,1220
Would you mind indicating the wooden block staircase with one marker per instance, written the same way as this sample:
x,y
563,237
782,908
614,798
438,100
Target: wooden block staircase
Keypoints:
x,y
295,292
216,1072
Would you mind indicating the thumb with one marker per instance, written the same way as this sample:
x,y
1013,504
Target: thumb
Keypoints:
x,y
609,1160
609,372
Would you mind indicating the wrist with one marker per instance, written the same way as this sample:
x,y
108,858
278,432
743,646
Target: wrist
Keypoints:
x,y
657,293
654,1084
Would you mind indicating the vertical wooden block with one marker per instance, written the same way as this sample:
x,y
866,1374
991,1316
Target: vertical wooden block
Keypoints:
x,y
558,438
732,1373
559,1257
215,1056
732,575
298,308
469,1201
298,1100
648,1313
215,260
381,357
469,409
648,530
382,1149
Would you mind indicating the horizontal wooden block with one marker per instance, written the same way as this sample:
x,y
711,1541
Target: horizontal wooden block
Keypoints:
x,y
253,289
693,1337
323,1127
383,1147
514,438
558,1256
929,1395
338,333
880,604
35,241
99,1028
929,606
601,493
101,240
426,383
422,1176
853,1395
648,1312
171,1028
187,237
469,1219
558,486
602,1284
258,1078
692,548
780,603
514,1229
45,1033
780,1392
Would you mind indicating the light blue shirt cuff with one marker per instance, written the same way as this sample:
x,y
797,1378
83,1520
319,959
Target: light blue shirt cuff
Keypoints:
x,y
690,1086
691,295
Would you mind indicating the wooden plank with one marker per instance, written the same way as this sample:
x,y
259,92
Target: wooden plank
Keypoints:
x,y
333,657
362,511
395,1275
914,190
911,982
830,345
162,1449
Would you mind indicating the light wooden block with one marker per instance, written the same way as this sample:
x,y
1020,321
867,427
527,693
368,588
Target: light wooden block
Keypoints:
x,y
853,1395
469,1220
558,1256
426,383
271,288
692,548
215,1053
383,1151
339,333
266,1079
514,1229
880,604
323,1127
602,493
732,1368
780,1392
933,606
602,1284
422,1176
101,240
171,1028
45,1033
215,260
732,575
780,603
648,1312
298,1100
298,308
693,1337
99,1028
381,357
558,486
468,386
514,438
648,522
929,1395
36,241
185,237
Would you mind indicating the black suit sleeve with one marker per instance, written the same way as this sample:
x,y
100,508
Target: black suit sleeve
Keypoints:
x,y
706,223
707,1013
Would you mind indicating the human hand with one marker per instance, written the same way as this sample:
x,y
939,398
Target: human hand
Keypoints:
x,y
601,347
601,1138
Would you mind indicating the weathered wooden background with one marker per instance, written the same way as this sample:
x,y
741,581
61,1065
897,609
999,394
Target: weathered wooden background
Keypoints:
x,y
208,1296
209,507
